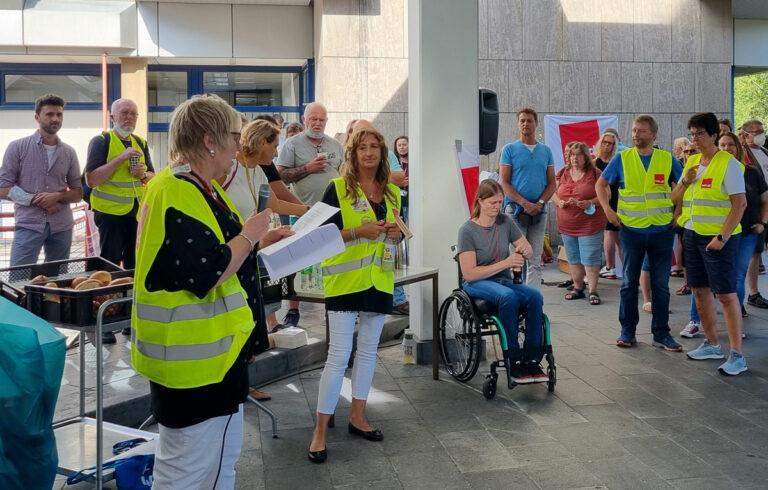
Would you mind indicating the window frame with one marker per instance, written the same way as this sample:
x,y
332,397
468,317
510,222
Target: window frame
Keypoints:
x,y
195,86
63,69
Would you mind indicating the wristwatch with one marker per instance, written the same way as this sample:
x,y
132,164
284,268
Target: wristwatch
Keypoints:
x,y
541,201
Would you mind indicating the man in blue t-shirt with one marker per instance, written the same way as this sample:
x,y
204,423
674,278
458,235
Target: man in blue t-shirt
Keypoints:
x,y
527,175
655,240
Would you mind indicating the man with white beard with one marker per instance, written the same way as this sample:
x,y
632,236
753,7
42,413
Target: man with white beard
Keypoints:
x,y
117,170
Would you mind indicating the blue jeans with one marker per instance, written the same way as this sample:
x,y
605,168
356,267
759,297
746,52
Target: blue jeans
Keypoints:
x,y
510,297
658,247
28,243
399,296
745,253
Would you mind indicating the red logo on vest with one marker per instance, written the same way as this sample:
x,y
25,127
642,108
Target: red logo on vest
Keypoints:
x,y
658,178
706,184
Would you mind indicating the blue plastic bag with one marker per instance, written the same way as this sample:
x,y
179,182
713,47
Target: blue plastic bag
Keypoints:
x,y
31,366
132,473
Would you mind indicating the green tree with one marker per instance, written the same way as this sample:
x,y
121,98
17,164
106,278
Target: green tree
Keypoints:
x,y
751,97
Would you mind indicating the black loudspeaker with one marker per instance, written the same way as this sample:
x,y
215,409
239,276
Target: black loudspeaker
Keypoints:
x,y
489,121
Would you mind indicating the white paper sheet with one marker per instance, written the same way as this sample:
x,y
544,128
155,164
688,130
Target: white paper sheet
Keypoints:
x,y
311,244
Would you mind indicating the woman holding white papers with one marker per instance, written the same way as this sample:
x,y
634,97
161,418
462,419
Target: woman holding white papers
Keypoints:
x,y
358,282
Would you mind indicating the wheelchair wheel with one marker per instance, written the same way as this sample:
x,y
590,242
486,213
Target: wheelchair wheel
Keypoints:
x,y
459,336
551,372
489,387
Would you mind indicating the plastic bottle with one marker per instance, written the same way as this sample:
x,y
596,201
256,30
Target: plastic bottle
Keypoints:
x,y
409,345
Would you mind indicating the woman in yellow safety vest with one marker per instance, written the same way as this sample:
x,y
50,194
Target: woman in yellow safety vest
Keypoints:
x,y
712,196
196,298
358,282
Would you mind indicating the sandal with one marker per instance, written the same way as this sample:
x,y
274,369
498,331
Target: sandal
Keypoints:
x,y
575,294
277,328
683,290
565,284
594,298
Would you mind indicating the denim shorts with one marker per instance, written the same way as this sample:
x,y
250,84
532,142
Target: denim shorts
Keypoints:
x,y
714,270
584,250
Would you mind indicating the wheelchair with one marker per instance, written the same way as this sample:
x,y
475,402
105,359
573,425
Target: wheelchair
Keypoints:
x,y
464,322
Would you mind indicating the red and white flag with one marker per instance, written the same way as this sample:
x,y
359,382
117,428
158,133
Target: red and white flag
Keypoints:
x,y
561,130
468,161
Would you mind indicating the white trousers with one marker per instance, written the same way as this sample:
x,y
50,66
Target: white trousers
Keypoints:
x,y
342,330
201,456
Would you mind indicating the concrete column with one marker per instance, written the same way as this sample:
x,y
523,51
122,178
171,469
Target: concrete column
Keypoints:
x,y
133,85
442,108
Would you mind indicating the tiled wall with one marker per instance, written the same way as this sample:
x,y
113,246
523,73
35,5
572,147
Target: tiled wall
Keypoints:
x,y
669,58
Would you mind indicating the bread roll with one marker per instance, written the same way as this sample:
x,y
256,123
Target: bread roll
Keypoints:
x,y
77,281
88,284
122,280
103,277
39,280
51,285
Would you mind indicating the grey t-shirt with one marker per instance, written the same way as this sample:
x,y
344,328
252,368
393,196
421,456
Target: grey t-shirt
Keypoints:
x,y
490,244
298,151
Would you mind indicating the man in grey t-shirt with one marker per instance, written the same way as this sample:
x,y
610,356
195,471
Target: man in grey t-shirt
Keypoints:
x,y
310,159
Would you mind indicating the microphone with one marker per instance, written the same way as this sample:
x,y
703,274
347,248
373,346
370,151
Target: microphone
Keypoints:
x,y
264,191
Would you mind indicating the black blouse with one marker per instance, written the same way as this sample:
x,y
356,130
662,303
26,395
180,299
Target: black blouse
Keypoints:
x,y
191,258
371,300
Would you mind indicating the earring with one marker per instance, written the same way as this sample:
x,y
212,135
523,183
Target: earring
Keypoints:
x,y
212,152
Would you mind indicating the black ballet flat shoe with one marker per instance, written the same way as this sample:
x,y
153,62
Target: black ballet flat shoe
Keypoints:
x,y
318,457
369,435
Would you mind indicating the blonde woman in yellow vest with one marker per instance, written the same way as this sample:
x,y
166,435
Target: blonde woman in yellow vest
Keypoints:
x,y
359,282
196,297
712,196
645,177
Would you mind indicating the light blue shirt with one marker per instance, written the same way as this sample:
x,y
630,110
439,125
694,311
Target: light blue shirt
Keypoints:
x,y
529,168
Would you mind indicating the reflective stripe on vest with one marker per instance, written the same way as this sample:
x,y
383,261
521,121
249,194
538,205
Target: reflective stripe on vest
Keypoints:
x,y
359,267
117,195
196,311
192,352
646,199
707,208
111,197
352,265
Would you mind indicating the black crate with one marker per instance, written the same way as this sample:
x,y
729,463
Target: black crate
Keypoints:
x,y
276,291
66,306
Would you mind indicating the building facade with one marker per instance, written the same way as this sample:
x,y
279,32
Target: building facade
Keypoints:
x,y
669,58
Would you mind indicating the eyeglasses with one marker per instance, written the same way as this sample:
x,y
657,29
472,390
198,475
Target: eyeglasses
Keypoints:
x,y
697,134
236,135
689,152
755,133
609,143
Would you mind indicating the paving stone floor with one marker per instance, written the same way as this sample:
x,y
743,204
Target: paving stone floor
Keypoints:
x,y
639,418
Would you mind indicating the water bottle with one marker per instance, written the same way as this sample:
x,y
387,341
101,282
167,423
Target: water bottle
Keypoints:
x,y
409,345
306,279
319,277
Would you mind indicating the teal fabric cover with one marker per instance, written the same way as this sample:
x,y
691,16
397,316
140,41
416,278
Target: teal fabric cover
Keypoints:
x,y
31,366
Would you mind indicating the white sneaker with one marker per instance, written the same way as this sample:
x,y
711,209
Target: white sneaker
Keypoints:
x,y
691,330
604,271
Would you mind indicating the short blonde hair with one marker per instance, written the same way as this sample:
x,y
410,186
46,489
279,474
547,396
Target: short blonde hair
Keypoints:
x,y
194,118
255,132
681,142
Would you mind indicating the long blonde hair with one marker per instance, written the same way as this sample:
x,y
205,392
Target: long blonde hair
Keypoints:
x,y
350,169
487,188
599,144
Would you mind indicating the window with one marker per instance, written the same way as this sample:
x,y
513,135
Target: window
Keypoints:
x,y
253,88
72,88
80,85
167,88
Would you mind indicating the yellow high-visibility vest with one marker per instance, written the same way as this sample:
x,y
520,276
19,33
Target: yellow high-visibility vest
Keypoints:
x,y
117,194
704,202
646,198
358,268
180,340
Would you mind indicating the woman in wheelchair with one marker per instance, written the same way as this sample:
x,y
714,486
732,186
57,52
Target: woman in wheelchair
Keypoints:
x,y
485,261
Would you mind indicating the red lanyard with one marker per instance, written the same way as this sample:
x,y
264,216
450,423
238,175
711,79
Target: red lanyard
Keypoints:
x,y
207,189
